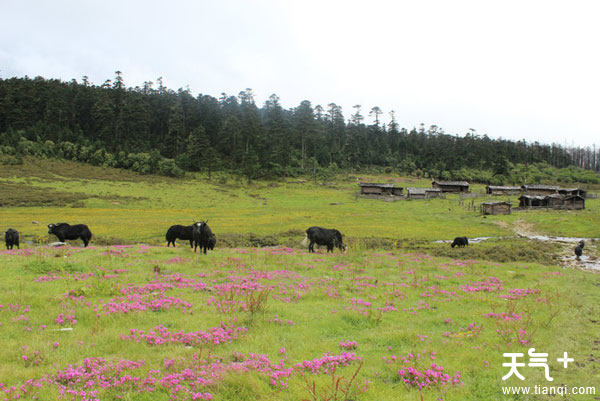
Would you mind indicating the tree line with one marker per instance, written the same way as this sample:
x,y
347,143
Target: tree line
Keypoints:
x,y
587,157
153,129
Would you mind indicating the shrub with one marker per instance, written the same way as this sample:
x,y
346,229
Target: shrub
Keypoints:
x,y
169,167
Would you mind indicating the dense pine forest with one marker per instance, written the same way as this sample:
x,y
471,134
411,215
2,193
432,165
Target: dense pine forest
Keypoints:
x,y
153,129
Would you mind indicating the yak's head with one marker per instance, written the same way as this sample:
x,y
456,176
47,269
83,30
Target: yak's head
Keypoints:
x,y
200,226
338,241
51,228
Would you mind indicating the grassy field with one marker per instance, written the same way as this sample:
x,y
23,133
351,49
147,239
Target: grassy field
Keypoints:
x,y
123,207
397,317
248,324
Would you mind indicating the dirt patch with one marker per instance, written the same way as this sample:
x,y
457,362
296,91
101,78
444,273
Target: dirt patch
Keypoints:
x,y
524,228
258,197
502,224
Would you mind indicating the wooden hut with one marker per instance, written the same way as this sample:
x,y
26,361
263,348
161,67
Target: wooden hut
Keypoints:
x,y
369,188
555,201
415,193
540,189
502,190
528,201
433,193
572,191
576,202
451,186
423,193
495,208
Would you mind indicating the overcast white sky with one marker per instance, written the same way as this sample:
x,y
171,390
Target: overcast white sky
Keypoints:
x,y
512,69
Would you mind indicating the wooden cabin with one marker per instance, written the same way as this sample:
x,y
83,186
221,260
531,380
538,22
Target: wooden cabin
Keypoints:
x,y
451,186
528,201
555,201
369,188
502,190
540,189
423,193
495,208
575,202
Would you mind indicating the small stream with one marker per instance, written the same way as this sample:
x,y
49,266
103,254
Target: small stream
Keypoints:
x,y
585,262
547,238
471,240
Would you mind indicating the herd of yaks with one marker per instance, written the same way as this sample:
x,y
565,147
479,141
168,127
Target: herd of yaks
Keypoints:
x,y
200,236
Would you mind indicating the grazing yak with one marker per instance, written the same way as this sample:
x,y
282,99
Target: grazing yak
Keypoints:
x,y
65,231
212,241
11,236
329,237
203,236
460,242
579,249
180,232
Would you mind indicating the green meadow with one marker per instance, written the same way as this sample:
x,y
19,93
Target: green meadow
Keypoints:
x,y
397,317
124,207
63,306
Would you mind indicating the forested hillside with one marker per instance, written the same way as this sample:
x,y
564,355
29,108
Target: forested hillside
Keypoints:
x,y
155,129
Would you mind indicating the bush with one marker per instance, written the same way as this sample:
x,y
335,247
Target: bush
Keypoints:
x,y
68,150
109,160
29,148
84,153
140,162
97,158
49,148
169,168
10,160
7,150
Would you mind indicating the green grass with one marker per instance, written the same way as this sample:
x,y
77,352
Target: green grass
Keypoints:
x,y
563,316
123,207
305,303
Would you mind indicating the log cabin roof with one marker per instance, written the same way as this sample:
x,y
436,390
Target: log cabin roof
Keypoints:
x,y
541,187
537,197
415,190
452,183
499,187
377,185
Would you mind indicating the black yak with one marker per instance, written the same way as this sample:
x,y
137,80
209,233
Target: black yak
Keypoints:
x,y
460,242
329,237
203,236
579,249
180,232
212,241
11,236
65,231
